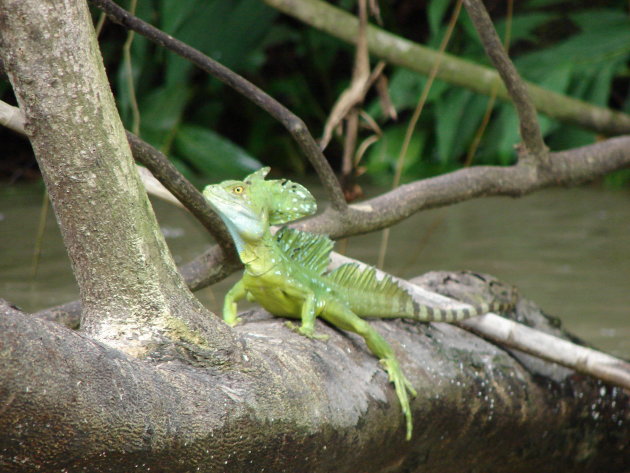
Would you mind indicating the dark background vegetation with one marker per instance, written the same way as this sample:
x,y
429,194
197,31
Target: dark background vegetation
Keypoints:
x,y
579,48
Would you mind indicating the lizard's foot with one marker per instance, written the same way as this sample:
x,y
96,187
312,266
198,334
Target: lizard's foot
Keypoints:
x,y
233,322
403,389
306,331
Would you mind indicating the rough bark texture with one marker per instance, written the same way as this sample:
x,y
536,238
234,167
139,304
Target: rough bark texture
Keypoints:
x,y
300,405
132,295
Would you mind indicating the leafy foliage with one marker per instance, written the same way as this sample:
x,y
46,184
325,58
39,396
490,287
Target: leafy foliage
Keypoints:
x,y
584,64
581,51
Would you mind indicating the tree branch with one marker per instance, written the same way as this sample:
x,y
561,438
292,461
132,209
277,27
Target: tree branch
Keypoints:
x,y
186,193
567,168
11,117
483,80
531,135
91,408
296,127
508,333
166,173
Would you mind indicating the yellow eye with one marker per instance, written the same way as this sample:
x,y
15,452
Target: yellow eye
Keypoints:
x,y
238,190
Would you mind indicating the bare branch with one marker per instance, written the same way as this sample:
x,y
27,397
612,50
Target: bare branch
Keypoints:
x,y
180,187
567,168
405,53
11,117
291,122
165,172
534,342
411,127
515,335
530,129
359,85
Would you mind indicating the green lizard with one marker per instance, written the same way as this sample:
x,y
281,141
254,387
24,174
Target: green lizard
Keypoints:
x,y
286,273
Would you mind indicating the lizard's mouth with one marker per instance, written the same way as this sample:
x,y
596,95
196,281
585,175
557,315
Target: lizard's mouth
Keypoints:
x,y
227,207
242,221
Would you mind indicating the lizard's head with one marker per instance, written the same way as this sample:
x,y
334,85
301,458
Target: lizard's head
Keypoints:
x,y
249,206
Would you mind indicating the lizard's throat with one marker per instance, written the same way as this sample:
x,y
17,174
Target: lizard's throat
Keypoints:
x,y
259,257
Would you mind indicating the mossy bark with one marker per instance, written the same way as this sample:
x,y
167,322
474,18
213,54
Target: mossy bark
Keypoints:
x,y
303,405
129,284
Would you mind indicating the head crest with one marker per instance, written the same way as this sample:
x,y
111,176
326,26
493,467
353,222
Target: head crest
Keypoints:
x,y
286,200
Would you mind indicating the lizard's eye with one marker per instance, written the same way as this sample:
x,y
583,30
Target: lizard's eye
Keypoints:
x,y
238,190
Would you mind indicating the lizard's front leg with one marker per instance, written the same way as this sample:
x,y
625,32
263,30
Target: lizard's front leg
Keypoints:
x,y
342,317
308,316
235,294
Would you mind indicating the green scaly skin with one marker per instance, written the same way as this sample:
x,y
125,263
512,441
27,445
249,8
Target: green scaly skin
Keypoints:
x,y
286,276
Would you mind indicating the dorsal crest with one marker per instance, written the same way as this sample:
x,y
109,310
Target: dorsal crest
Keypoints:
x,y
285,200
309,250
352,276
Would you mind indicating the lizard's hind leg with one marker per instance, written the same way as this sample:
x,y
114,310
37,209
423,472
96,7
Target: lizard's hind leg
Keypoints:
x,y
340,316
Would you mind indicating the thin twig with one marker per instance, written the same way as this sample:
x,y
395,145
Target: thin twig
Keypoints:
x,y
359,85
41,229
99,24
474,145
178,185
131,88
165,172
530,129
291,122
415,117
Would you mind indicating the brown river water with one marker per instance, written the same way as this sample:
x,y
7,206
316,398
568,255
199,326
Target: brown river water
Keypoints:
x,y
566,249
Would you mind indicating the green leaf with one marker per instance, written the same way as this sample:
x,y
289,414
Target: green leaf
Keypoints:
x,y
174,13
161,111
435,13
229,31
382,156
524,25
600,19
457,116
212,154
405,88
583,51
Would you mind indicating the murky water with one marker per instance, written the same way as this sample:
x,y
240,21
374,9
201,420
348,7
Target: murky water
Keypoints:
x,y
568,250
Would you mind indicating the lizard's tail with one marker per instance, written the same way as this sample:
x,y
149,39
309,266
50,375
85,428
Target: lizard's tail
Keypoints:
x,y
425,313
369,295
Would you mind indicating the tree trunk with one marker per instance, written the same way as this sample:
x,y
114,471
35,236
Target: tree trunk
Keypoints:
x,y
301,405
132,295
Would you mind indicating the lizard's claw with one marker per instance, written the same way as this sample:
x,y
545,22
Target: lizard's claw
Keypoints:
x,y
403,390
306,331
234,321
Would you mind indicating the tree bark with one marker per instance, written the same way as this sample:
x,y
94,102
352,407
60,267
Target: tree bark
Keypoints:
x,y
132,295
302,405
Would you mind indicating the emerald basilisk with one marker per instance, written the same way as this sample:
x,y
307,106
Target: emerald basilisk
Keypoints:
x,y
286,273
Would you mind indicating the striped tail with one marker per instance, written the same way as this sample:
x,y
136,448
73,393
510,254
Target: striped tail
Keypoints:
x,y
425,313
369,295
